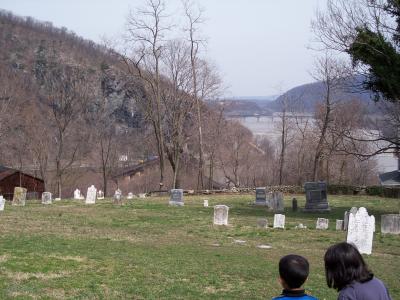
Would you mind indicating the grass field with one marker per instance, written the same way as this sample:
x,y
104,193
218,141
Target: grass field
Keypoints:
x,y
148,250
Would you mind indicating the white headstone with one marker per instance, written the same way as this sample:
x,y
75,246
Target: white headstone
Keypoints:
x,y
205,203
279,221
142,195
322,224
118,196
339,225
221,214
360,230
2,203
100,194
77,194
91,195
130,196
46,198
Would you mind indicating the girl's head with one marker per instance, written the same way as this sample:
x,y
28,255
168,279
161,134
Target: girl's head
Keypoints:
x,y
344,265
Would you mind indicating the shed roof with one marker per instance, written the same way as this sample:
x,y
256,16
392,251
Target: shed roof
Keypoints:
x,y
5,172
390,178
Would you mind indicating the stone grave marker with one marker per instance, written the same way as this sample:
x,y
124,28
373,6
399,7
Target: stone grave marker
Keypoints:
x,y
118,197
261,196
390,224
57,199
19,197
46,198
346,217
279,221
276,202
78,195
142,195
294,204
316,197
205,203
2,203
130,196
262,223
100,194
360,230
91,195
176,197
339,225
221,214
322,224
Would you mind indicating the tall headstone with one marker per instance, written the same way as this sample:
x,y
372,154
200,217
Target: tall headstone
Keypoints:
x,y
339,225
77,195
279,221
2,203
176,197
276,202
221,214
353,210
19,197
118,197
316,197
322,224
46,198
294,204
360,230
261,196
205,203
100,195
91,195
390,224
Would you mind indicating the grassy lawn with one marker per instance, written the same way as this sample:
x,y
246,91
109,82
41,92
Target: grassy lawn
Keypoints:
x,y
148,250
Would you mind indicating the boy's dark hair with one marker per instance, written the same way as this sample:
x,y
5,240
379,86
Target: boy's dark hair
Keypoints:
x,y
343,265
293,269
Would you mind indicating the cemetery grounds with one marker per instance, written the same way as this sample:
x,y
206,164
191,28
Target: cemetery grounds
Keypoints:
x,y
146,249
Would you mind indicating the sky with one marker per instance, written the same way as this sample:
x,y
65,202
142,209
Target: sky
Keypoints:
x,y
260,47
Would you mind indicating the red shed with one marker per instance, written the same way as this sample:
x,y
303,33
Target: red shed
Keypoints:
x,y
10,178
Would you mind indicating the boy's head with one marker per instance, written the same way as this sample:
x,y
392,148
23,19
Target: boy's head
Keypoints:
x,y
293,270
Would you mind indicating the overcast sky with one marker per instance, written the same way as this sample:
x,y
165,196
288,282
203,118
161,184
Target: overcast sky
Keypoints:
x,y
259,46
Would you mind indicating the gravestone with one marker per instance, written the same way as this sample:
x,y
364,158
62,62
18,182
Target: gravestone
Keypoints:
x,y
322,224
390,224
360,231
57,199
118,197
2,203
276,202
142,195
78,195
130,196
294,204
262,223
346,217
316,197
91,195
176,197
221,214
261,196
205,203
279,221
339,225
100,194
46,198
19,197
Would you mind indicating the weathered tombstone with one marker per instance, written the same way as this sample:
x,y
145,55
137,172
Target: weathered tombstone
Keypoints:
x,y
221,214
91,195
276,202
57,199
360,230
205,203
19,196
294,204
176,197
262,223
100,194
46,198
322,224
118,197
2,203
346,217
77,194
390,224
142,195
261,196
339,225
279,221
130,196
316,197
